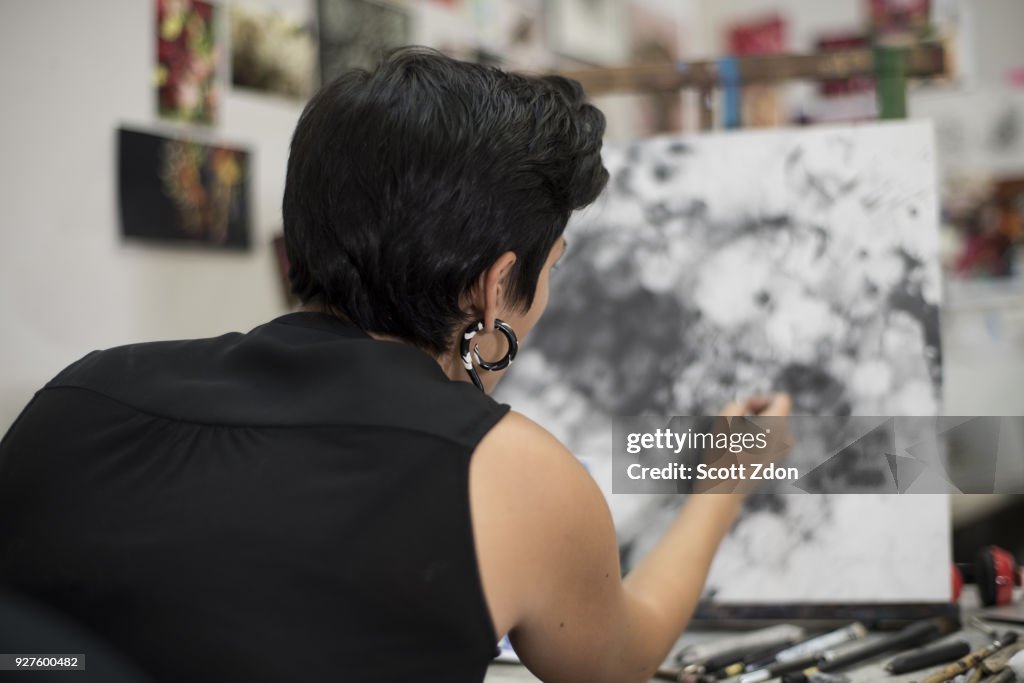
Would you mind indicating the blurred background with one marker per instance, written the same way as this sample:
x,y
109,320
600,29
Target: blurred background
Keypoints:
x,y
145,145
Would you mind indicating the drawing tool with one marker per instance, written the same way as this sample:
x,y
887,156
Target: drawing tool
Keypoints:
x,y
854,631
698,652
913,635
929,656
1004,676
778,668
981,625
1013,671
995,663
729,657
760,664
738,666
973,659
812,676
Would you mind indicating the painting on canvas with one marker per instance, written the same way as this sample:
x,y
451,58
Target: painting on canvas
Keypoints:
x,y
726,265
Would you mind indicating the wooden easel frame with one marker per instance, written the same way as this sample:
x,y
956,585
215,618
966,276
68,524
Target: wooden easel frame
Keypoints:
x,y
891,66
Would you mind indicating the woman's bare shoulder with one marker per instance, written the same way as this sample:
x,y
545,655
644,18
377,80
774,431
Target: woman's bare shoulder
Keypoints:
x,y
515,423
522,440
528,493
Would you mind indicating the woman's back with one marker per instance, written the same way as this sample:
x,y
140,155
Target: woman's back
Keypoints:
x,y
288,502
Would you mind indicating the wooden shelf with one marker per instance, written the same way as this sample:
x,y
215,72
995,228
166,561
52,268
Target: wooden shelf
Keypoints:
x,y
922,61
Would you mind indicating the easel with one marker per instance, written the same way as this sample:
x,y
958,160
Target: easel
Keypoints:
x,y
891,66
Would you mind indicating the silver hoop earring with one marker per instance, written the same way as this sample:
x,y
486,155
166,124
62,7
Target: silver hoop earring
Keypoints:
x,y
492,366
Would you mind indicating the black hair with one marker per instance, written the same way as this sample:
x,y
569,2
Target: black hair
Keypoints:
x,y
406,183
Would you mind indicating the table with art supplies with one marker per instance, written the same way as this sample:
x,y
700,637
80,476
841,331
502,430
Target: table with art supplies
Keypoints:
x,y
976,645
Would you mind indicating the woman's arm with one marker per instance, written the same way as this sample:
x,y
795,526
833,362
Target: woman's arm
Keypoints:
x,y
550,566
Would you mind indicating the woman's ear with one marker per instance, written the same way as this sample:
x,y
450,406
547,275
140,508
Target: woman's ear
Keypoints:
x,y
493,288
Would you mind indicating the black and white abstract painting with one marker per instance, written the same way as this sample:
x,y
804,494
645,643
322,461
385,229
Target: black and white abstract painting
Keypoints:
x,y
719,266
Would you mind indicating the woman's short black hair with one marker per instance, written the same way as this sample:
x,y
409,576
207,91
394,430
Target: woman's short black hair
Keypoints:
x,y
406,183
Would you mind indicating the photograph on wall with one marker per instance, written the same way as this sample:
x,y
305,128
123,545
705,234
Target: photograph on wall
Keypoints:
x,y
357,33
186,61
729,265
589,31
272,52
760,36
178,190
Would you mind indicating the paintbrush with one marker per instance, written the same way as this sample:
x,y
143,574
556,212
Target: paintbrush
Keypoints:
x,y
973,659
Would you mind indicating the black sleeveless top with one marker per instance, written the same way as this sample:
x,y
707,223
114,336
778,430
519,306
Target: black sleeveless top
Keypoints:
x,y
287,504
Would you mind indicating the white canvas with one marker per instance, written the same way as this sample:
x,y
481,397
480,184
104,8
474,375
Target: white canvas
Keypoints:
x,y
717,266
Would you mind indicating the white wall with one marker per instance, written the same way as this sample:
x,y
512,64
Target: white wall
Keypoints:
x,y
997,43
70,73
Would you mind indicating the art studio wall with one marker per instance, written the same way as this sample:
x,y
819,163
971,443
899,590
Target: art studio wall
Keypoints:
x,y
72,73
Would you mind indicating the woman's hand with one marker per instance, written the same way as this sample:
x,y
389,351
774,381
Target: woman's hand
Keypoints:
x,y
767,405
766,420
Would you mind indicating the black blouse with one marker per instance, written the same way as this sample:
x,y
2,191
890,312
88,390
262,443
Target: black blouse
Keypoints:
x,y
286,504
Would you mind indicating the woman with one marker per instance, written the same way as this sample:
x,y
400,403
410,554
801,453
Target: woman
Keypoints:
x,y
333,495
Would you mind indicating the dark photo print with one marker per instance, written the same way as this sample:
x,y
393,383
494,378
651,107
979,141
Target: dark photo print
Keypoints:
x,y
177,190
